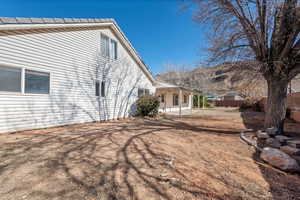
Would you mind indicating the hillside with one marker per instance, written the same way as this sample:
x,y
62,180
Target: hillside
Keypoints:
x,y
221,79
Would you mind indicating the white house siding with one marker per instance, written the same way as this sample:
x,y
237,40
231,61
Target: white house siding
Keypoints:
x,y
72,56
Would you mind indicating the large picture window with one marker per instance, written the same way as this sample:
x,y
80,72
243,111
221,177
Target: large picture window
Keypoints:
x,y
37,82
10,79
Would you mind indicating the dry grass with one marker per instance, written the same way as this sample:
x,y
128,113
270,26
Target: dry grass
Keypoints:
x,y
194,157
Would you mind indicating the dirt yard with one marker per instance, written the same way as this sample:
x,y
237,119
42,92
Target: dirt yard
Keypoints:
x,y
199,156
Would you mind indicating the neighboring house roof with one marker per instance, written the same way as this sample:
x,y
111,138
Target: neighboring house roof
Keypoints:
x,y
19,23
164,85
230,95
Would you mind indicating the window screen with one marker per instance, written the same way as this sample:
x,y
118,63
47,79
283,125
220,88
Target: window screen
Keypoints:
x,y
104,46
147,91
175,99
140,92
10,79
102,89
37,82
97,88
185,98
114,50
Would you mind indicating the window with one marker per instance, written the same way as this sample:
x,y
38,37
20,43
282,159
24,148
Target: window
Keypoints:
x,y
185,98
147,91
162,98
114,50
104,46
37,82
175,100
10,79
97,88
102,89
142,92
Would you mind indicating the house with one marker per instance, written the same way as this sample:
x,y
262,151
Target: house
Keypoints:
x,y
58,71
211,97
173,97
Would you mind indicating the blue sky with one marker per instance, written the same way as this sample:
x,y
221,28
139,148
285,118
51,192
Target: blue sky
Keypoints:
x,y
158,29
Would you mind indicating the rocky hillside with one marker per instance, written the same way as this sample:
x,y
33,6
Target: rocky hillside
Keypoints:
x,y
222,79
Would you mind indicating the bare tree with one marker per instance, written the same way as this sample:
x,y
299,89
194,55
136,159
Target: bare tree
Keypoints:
x,y
263,30
252,90
176,74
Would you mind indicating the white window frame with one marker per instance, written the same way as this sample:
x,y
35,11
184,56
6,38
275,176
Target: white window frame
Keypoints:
x,y
102,54
23,80
110,54
114,55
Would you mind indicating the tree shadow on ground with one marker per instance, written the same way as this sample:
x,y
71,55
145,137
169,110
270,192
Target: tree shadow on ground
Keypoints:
x,y
134,159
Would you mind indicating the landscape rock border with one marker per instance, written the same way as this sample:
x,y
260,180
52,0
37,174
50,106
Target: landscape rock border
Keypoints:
x,y
277,150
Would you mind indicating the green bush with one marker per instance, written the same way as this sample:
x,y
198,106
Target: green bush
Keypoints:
x,y
251,105
147,106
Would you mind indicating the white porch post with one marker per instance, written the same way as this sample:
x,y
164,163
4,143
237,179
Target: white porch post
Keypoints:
x,y
180,101
198,97
191,102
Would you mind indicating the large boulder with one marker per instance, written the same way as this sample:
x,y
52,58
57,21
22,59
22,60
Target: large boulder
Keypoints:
x,y
262,135
279,159
282,139
272,131
292,151
271,142
294,143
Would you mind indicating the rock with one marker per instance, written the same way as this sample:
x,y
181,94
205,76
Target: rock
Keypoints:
x,y
279,159
271,142
272,131
262,135
292,151
282,138
294,143
297,158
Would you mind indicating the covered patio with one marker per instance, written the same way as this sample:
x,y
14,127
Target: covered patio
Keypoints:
x,y
173,97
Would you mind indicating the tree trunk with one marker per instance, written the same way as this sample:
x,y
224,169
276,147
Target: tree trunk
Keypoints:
x,y
276,103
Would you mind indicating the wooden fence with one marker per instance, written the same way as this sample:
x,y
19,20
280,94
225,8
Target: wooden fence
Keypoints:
x,y
293,102
229,103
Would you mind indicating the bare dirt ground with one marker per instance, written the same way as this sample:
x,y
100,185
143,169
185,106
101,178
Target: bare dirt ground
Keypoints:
x,y
198,156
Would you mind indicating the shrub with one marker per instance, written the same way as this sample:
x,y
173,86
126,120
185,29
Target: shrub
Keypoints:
x,y
251,105
147,106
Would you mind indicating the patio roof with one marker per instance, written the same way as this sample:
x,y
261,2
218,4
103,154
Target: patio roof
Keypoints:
x,y
164,85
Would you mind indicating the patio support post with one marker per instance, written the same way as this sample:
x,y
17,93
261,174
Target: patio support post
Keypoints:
x,y
191,101
198,97
202,101
180,101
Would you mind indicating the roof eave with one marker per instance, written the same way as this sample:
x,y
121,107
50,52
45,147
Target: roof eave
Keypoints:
x,y
107,23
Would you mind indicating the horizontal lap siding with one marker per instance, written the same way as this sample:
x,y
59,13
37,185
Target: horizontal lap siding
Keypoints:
x,y
72,58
